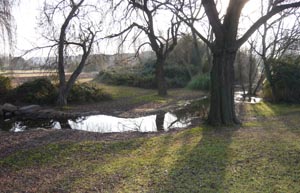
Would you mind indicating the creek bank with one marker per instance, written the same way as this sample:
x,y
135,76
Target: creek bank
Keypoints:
x,y
29,117
8,111
33,111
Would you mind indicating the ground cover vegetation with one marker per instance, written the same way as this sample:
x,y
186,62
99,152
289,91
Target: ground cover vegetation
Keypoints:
x,y
261,156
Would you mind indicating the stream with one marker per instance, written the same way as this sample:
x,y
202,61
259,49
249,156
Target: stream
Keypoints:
x,y
100,123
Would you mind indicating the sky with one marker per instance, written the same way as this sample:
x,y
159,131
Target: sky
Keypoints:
x,y
26,19
26,15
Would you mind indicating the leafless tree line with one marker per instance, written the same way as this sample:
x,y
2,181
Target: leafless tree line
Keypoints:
x,y
70,27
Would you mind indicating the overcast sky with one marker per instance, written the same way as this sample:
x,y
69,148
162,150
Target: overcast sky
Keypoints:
x,y
26,21
26,17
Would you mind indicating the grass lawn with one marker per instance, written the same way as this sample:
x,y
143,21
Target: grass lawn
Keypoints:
x,y
263,155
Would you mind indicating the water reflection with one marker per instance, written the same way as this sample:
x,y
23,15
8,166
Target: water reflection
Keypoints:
x,y
102,123
19,126
240,97
109,124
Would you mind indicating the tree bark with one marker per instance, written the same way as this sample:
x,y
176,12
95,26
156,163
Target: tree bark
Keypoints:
x,y
197,49
259,83
250,78
160,118
224,49
62,98
222,109
160,78
270,80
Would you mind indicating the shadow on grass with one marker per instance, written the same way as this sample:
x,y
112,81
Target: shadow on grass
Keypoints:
x,y
62,163
285,116
201,168
192,160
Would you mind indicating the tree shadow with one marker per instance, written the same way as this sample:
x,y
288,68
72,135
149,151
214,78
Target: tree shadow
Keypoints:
x,y
280,115
62,161
201,168
193,160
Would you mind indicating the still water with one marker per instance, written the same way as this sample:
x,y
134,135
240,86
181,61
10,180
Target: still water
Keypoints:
x,y
101,123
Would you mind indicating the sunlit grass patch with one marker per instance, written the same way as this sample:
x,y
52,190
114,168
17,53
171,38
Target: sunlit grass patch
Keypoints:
x,y
267,109
263,155
264,161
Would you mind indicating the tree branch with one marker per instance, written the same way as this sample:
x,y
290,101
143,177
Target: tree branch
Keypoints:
x,y
213,17
264,19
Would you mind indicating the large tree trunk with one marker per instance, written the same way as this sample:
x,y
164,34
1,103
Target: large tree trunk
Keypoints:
x,y
62,96
222,110
160,78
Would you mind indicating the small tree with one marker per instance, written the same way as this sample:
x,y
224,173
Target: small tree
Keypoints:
x,y
189,55
276,38
286,79
141,15
77,33
6,20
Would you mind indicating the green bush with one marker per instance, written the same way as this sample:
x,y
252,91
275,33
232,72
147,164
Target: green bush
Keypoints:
x,y
178,75
286,78
144,77
5,85
127,78
87,92
40,91
200,82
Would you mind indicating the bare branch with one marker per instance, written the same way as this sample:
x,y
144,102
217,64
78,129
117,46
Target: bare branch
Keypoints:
x,y
276,9
213,17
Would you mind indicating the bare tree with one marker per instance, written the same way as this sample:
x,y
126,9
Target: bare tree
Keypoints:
x,y
277,37
224,47
6,20
162,41
77,33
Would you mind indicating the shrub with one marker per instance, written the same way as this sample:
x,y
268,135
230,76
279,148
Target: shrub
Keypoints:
x,y
127,78
87,92
144,77
5,85
178,75
200,82
40,91
286,79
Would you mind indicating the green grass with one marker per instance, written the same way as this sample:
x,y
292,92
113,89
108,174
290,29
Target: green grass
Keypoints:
x,y
150,98
258,157
125,91
267,109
